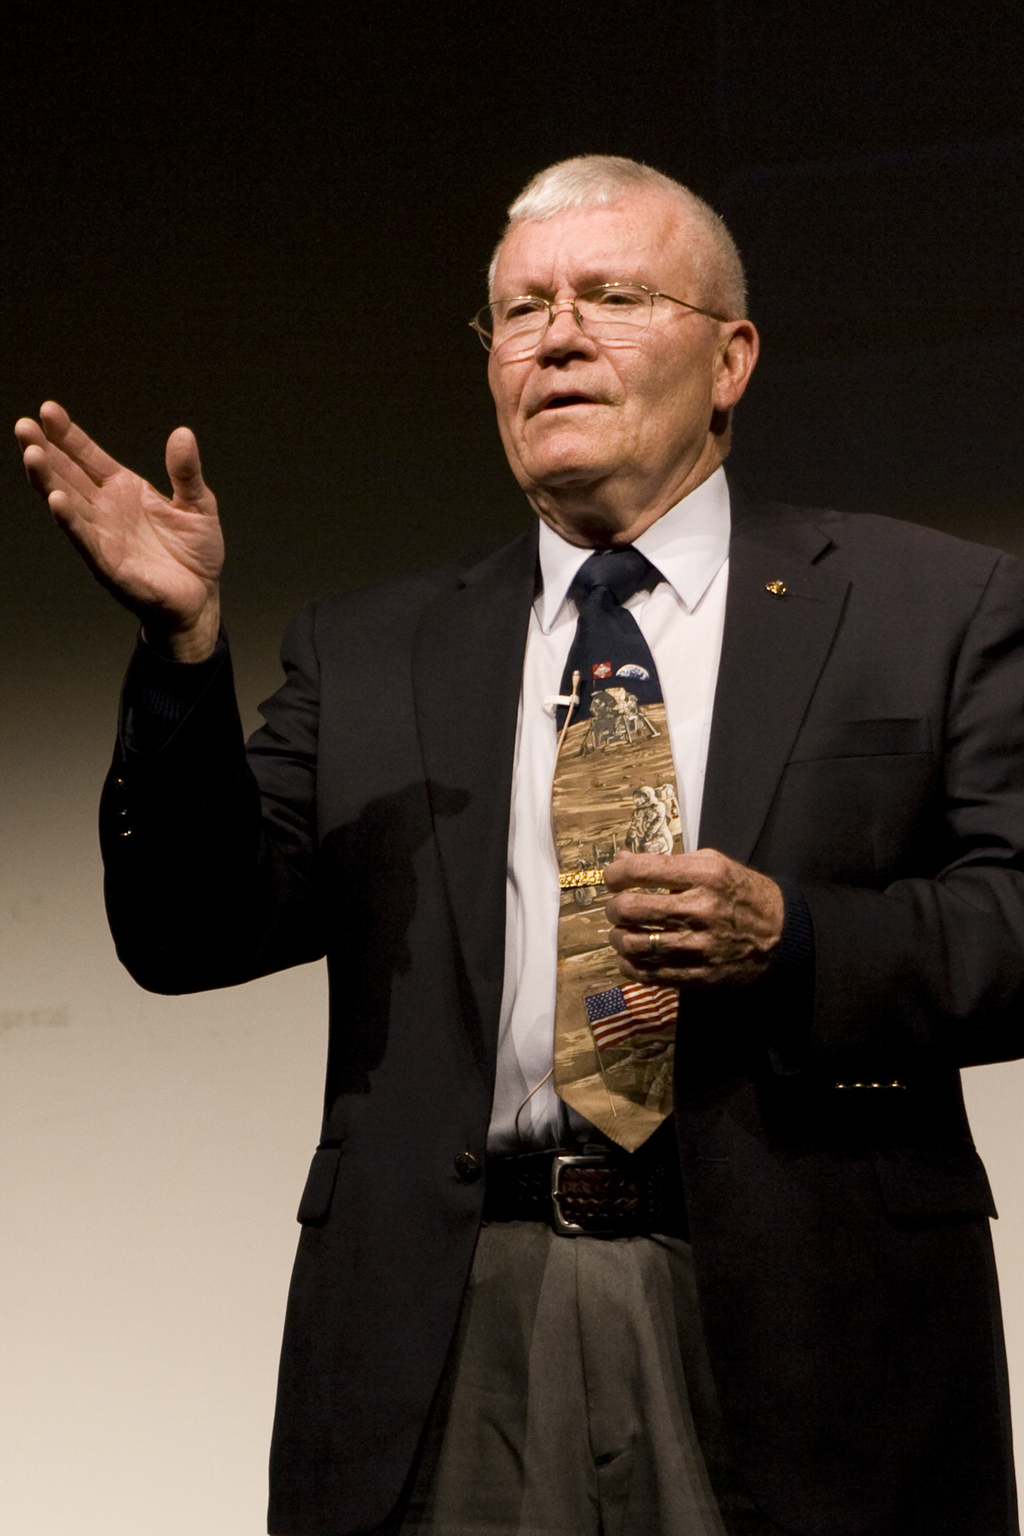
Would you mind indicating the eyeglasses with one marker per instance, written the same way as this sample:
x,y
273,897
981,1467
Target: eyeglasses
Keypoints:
x,y
612,312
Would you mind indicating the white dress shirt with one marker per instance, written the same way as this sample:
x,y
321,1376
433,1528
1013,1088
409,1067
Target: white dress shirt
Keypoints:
x,y
682,621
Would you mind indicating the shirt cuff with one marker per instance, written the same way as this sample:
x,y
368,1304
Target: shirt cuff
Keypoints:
x,y
159,694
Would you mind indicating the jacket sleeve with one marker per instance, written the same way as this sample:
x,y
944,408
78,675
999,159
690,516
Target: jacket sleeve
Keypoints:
x,y
209,851
931,969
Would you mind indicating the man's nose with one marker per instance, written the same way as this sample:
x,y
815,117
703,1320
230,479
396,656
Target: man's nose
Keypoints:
x,y
571,324
560,307
564,332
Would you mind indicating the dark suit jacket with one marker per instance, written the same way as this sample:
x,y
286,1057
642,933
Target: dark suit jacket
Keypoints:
x,y
868,744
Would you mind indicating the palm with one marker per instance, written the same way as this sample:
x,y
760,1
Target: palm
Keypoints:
x,y
160,556
156,554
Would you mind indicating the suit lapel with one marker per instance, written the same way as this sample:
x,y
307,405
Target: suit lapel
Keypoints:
x,y
467,677
773,649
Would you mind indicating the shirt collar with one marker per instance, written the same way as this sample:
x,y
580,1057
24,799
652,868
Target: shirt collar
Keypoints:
x,y
688,544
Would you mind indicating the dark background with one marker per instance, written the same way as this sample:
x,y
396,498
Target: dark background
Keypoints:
x,y
273,222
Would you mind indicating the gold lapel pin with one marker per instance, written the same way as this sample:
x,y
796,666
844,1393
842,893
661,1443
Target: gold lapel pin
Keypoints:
x,y
776,588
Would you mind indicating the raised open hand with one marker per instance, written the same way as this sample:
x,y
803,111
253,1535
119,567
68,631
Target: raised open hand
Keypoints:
x,y
160,557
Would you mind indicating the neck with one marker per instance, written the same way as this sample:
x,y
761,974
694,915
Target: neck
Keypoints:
x,y
604,515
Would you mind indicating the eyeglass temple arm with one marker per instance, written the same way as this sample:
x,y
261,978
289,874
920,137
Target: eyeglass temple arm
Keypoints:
x,y
695,307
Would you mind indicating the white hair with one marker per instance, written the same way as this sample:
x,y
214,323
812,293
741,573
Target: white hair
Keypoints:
x,y
592,181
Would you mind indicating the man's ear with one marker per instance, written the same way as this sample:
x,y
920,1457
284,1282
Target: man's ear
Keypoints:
x,y
736,357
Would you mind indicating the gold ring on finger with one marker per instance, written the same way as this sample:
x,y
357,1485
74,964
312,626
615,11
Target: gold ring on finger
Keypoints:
x,y
654,943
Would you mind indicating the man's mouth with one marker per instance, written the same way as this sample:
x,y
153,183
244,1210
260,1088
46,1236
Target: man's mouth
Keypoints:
x,y
558,402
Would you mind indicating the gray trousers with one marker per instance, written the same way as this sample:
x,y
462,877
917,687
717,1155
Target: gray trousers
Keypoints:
x,y
573,1396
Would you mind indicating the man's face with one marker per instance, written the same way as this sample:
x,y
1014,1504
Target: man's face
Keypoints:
x,y
585,422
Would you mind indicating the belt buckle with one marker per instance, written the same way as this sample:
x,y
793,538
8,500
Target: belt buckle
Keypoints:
x,y
560,1161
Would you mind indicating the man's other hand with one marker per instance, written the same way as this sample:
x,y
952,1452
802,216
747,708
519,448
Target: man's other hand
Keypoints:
x,y
160,557
715,922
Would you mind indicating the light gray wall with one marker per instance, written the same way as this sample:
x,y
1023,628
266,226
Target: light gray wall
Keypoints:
x,y
153,1150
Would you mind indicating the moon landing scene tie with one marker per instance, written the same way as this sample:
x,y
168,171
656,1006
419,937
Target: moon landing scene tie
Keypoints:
x,y
614,788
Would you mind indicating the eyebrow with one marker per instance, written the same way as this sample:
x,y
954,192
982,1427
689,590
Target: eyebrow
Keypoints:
x,y
582,285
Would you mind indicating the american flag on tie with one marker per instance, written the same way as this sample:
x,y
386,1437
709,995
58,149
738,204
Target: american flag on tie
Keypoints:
x,y
632,1012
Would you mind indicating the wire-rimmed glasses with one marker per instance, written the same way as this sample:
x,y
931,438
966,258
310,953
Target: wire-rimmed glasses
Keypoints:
x,y
611,312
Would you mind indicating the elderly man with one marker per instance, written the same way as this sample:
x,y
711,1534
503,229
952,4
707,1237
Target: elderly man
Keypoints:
x,y
655,1216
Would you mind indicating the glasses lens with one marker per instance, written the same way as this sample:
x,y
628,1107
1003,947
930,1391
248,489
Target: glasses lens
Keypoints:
x,y
608,309
517,320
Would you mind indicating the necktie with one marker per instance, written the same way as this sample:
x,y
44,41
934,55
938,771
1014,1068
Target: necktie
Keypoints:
x,y
614,787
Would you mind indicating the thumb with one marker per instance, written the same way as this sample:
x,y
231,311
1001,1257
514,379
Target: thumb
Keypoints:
x,y
184,469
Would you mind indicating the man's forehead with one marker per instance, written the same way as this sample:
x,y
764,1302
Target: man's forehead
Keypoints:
x,y
639,239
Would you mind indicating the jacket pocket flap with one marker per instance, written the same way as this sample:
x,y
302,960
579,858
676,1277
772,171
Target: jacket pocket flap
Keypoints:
x,y
315,1204
933,1183
862,738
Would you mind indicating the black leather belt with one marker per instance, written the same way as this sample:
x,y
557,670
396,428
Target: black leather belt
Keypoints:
x,y
592,1191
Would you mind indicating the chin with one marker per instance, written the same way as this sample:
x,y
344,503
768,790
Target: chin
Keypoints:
x,y
566,463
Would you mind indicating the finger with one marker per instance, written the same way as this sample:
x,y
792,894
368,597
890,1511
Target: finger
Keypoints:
x,y
28,431
32,443
67,495
42,467
71,511
658,946
661,909
48,469
677,957
78,445
675,872
49,465
684,976
184,469
665,970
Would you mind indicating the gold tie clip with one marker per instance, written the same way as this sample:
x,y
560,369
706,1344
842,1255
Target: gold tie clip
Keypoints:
x,y
574,879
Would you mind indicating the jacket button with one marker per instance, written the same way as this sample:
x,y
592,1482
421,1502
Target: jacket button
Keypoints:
x,y
467,1167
